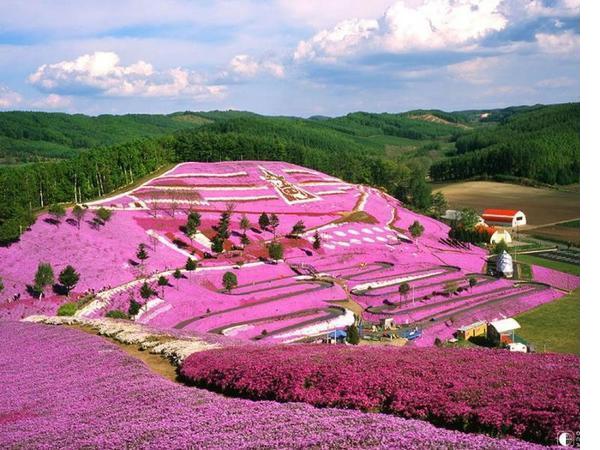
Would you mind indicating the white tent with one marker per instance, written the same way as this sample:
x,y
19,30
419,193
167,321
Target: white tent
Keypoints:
x,y
504,264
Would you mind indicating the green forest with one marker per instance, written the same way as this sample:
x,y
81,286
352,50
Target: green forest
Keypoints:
x,y
51,158
540,143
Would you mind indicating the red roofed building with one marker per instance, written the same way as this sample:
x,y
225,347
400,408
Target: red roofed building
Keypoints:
x,y
504,217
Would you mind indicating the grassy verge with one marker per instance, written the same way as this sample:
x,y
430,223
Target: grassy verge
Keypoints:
x,y
556,265
553,327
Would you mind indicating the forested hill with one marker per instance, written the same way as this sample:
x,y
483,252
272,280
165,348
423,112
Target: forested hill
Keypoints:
x,y
37,136
540,143
394,152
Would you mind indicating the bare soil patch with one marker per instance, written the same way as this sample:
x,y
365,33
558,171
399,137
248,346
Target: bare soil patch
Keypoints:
x,y
541,206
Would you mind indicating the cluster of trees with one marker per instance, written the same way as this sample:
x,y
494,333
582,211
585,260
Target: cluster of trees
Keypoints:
x,y
44,277
540,144
37,136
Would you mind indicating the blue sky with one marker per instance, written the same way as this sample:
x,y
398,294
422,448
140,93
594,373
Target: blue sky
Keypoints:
x,y
286,57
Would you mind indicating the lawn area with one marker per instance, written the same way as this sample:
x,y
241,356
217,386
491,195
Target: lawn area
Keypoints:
x,y
553,326
563,267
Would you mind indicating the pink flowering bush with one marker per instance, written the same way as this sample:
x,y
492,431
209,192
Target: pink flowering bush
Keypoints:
x,y
99,397
530,396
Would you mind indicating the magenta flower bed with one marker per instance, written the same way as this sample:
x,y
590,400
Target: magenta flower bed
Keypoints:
x,y
530,396
555,278
99,397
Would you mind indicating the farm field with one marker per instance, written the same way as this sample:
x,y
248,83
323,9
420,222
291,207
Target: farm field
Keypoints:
x,y
366,252
553,327
541,206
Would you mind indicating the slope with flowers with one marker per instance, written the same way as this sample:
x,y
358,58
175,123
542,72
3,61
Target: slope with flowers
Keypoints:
x,y
366,252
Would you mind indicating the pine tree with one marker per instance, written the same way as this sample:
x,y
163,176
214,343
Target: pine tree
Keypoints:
x,y
43,277
68,278
162,282
274,222
191,264
264,222
79,213
298,228
317,242
275,250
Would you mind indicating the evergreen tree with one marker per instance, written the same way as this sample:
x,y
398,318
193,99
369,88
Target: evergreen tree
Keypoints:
x,y
264,222
244,240
416,229
472,282
229,281
79,213
439,205
352,335
134,308
43,277
244,223
1,285
177,275
317,242
146,291
298,228
274,222
191,264
57,211
217,244
275,250
68,278
103,214
404,289
500,247
162,282
142,254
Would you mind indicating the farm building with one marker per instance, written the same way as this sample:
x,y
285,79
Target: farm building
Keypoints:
x,y
500,235
504,217
474,329
504,264
502,330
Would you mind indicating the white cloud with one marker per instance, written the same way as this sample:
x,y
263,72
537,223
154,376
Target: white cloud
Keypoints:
x,y
566,43
342,39
53,101
100,72
408,26
246,66
541,8
476,71
9,98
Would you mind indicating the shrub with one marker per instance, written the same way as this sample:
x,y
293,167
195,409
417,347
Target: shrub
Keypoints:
x,y
116,314
67,309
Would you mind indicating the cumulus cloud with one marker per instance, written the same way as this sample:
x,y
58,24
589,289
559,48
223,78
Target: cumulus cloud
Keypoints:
x,y
246,66
566,43
408,26
9,98
342,39
101,73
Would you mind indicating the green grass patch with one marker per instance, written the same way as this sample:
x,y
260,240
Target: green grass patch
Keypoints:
x,y
67,309
556,265
553,327
571,224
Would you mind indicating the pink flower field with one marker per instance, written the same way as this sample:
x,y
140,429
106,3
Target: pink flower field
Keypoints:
x,y
100,397
366,252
